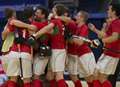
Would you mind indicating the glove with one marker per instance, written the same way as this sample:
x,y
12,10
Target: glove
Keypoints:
x,y
67,34
97,43
19,39
31,40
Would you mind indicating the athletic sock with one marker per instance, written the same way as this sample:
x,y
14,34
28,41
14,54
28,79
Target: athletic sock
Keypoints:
x,y
78,83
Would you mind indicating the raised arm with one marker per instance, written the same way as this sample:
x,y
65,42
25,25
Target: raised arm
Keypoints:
x,y
44,30
23,25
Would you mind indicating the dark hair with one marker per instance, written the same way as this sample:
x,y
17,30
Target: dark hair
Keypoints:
x,y
9,12
28,12
60,9
44,10
67,10
116,8
85,15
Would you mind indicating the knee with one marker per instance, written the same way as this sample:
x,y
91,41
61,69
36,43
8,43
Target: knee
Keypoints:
x,y
102,78
36,76
50,75
90,78
27,80
74,78
13,78
59,76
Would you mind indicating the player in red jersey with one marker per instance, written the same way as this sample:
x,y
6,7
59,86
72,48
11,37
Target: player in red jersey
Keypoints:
x,y
40,60
17,50
108,61
57,61
86,58
72,57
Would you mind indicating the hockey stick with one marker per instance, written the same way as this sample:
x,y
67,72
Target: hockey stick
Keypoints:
x,y
20,59
89,41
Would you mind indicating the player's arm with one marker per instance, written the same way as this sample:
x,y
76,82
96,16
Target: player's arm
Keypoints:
x,y
22,25
65,19
101,33
78,41
112,38
44,30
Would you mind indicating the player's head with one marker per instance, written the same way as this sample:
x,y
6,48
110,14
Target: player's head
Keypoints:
x,y
108,20
41,12
10,13
82,16
58,9
28,12
114,10
66,12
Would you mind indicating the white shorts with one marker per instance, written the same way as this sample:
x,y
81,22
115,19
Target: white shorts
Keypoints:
x,y
39,65
11,64
87,64
57,61
72,65
107,64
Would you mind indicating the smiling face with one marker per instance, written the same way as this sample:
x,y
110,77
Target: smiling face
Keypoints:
x,y
79,17
110,12
39,14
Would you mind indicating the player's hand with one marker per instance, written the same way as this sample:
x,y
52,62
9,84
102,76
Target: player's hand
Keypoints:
x,y
50,16
101,34
67,34
104,25
31,40
91,26
19,39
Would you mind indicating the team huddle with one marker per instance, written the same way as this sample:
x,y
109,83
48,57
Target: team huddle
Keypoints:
x,y
58,42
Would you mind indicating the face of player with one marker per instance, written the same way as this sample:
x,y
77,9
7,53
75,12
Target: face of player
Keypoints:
x,y
66,14
14,15
110,12
79,18
38,14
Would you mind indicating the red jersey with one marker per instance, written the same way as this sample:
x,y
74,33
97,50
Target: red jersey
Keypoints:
x,y
57,40
84,48
40,25
23,47
72,47
113,27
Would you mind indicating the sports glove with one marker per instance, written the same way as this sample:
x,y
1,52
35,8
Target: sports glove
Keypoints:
x,y
31,40
97,43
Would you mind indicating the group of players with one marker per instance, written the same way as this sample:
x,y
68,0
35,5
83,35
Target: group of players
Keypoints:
x,y
41,40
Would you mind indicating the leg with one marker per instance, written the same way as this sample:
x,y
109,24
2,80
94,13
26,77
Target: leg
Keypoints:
x,y
73,69
58,64
38,69
106,65
87,66
27,68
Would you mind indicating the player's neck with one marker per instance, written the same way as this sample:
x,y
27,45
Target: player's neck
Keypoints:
x,y
114,17
80,24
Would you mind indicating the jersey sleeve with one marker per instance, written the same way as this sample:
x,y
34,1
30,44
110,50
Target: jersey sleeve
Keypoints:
x,y
116,27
